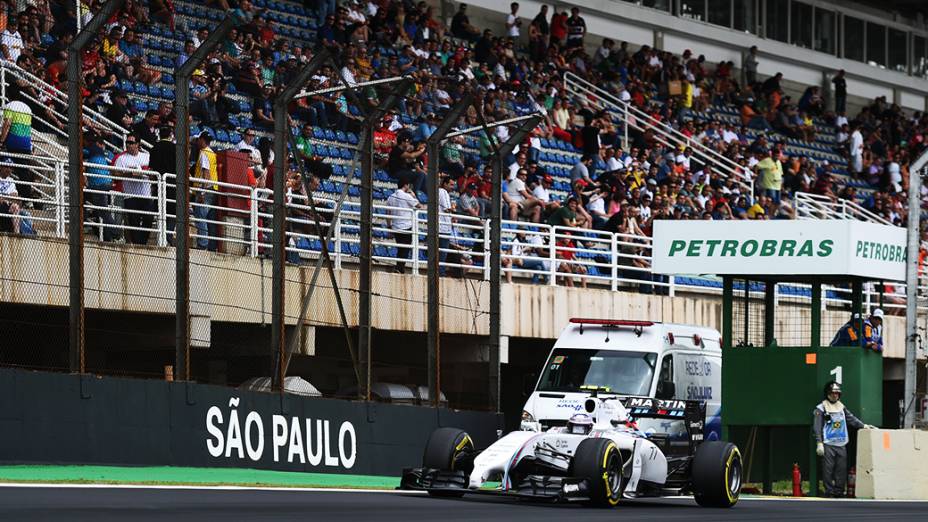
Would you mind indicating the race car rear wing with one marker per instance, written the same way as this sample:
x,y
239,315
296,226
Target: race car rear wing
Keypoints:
x,y
693,413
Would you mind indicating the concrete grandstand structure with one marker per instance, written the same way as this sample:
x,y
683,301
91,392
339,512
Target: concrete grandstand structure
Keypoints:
x,y
130,289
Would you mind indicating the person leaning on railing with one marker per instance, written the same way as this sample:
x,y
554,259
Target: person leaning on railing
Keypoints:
x,y
98,184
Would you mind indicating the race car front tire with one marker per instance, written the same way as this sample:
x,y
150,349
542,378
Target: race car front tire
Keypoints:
x,y
717,474
600,462
449,449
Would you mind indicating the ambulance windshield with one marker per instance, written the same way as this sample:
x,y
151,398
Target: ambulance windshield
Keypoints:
x,y
610,371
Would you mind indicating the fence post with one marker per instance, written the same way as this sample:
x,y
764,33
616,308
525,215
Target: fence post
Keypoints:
x,y
486,250
162,211
60,199
253,221
415,241
552,257
338,241
672,290
614,247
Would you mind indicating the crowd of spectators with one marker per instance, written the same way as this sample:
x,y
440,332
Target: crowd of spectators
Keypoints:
x,y
615,186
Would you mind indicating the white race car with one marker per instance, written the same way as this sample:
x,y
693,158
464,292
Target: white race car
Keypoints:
x,y
619,448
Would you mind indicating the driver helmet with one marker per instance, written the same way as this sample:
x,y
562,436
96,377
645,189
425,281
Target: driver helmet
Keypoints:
x,y
830,388
580,424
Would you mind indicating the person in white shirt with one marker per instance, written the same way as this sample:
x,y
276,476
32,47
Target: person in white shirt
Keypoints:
x,y
11,43
520,200
597,209
402,204
247,143
542,192
138,203
856,149
445,208
512,22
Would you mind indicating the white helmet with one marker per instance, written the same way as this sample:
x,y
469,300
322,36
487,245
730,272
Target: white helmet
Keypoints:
x,y
580,424
877,313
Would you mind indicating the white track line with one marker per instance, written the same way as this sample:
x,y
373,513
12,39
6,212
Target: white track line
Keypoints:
x,y
388,491
196,487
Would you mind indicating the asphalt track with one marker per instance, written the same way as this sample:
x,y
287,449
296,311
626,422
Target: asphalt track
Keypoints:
x,y
140,503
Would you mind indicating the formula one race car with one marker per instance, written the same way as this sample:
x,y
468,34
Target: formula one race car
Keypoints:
x,y
618,448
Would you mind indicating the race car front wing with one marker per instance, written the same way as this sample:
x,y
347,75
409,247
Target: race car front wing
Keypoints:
x,y
538,487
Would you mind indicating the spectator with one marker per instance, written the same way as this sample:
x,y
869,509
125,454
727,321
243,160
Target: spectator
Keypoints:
x,y
770,176
11,42
470,203
98,183
538,32
402,205
512,22
206,194
163,160
576,29
445,209
559,27
460,25
136,185
581,170
840,92
10,208
16,137
403,160
521,201
750,66
146,129
120,112
856,150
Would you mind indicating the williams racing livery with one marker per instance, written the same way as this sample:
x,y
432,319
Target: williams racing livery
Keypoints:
x,y
616,448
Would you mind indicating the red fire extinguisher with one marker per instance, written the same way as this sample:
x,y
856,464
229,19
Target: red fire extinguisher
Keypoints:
x,y
852,482
797,481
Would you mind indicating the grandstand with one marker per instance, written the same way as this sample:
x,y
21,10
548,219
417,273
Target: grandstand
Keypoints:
x,y
688,134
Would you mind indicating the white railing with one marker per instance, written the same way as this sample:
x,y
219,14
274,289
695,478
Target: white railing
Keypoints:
x,y
57,103
665,134
236,219
817,206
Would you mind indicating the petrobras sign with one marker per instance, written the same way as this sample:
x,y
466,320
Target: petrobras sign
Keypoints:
x,y
807,247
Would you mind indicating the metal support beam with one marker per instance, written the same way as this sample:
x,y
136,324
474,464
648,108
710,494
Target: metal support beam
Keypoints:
x,y
816,322
76,185
494,375
913,238
279,232
182,75
728,296
770,299
433,249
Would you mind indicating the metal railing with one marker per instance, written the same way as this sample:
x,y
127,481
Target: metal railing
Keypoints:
x,y
57,103
136,206
665,134
817,206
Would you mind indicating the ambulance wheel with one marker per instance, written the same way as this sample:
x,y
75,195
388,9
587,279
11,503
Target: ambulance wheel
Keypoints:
x,y
717,474
599,461
449,449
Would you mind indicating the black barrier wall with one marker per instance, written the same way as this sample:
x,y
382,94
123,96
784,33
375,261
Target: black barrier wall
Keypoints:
x,y
56,418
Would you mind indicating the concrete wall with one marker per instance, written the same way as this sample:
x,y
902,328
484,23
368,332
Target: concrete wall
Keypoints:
x,y
891,464
237,289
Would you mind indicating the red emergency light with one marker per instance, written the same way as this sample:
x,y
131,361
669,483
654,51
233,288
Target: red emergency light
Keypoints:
x,y
610,322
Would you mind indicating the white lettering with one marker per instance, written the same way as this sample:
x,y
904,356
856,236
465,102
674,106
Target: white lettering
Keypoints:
x,y
314,457
296,442
329,459
214,415
279,430
254,452
234,436
347,429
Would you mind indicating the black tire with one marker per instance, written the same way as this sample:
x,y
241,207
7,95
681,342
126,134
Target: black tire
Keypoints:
x,y
600,462
717,474
449,449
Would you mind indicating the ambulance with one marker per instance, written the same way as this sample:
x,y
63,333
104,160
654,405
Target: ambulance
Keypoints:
x,y
635,359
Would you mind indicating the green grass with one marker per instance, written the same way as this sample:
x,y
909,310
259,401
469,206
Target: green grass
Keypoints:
x,y
190,476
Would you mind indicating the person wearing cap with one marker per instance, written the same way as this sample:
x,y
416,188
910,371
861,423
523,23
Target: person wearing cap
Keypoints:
x,y
542,192
850,332
830,422
470,203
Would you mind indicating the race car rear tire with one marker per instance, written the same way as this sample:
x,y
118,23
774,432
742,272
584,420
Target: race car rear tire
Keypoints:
x,y
449,449
717,474
600,462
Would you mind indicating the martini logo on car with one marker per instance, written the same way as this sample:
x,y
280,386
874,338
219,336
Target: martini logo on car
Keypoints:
x,y
315,441
750,248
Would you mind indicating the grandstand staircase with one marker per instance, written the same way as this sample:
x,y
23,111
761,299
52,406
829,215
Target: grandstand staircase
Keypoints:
x,y
628,116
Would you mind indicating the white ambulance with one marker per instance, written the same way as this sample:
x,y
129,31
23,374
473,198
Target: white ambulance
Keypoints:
x,y
628,359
